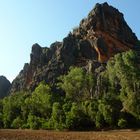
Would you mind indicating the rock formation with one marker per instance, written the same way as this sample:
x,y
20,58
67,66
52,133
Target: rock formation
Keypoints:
x,y
99,36
4,86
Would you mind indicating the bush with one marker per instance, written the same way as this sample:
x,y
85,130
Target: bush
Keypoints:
x,y
99,122
122,123
58,116
17,123
34,122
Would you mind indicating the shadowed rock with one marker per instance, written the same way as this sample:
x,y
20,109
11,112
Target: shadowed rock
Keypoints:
x,y
4,87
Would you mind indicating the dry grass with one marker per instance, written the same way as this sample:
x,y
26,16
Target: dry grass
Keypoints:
x,y
53,135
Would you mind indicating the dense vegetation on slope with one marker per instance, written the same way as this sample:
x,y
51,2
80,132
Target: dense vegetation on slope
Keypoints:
x,y
115,104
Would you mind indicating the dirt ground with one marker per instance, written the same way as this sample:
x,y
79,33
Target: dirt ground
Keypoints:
x,y
54,135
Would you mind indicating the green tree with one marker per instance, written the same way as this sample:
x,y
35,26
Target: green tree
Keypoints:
x,y
17,123
92,110
58,116
76,118
72,83
77,84
1,114
33,122
99,120
39,104
124,78
12,108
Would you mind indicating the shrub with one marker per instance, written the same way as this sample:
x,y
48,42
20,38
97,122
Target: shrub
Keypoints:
x,y
17,123
122,123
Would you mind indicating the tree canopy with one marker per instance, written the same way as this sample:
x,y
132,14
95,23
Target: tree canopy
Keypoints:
x,y
109,99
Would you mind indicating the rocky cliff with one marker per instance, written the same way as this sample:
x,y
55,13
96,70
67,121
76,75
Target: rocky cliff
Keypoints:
x,y
99,36
4,86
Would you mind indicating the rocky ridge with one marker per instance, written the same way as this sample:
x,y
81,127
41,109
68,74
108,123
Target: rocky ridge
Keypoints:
x,y
99,36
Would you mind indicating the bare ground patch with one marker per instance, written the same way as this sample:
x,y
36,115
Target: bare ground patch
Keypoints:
x,y
54,135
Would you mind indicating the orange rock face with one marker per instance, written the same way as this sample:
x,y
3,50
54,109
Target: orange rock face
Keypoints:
x,y
107,23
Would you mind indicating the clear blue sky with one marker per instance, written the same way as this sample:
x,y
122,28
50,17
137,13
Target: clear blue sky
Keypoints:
x,y
25,22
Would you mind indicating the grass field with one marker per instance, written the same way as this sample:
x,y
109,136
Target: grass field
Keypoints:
x,y
54,135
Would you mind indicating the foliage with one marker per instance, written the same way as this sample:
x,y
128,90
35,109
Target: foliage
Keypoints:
x,y
58,116
17,123
122,123
77,84
1,115
108,99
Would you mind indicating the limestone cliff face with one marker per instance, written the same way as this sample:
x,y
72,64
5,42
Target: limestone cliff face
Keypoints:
x,y
4,87
99,36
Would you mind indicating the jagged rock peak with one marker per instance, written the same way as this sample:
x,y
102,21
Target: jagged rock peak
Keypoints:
x,y
99,8
107,19
36,48
106,23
